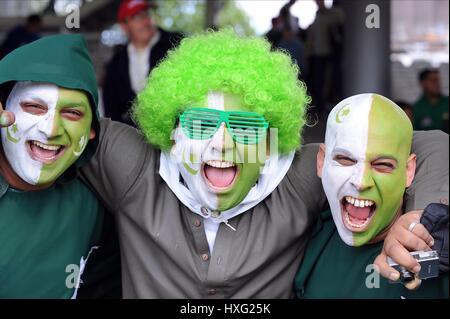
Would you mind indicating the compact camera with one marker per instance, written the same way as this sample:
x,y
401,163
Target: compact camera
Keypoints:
x,y
429,263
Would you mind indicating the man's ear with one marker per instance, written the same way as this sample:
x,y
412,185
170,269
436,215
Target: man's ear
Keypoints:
x,y
410,169
320,159
92,134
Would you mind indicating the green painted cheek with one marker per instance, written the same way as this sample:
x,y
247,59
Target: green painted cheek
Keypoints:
x,y
248,175
81,146
390,189
72,133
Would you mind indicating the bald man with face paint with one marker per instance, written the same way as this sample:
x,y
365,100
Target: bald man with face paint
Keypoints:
x,y
365,166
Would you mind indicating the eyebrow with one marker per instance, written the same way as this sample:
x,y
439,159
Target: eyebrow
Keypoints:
x,y
34,98
72,103
383,157
339,150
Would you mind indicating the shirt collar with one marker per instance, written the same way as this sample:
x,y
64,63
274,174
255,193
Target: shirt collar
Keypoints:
x,y
132,49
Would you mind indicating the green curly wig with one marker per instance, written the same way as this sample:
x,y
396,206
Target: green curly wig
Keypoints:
x,y
222,61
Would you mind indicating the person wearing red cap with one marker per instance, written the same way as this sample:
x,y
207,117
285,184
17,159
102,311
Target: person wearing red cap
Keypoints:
x,y
126,73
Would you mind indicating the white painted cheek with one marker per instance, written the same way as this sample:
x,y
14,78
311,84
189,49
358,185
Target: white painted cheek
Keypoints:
x,y
180,153
336,182
187,146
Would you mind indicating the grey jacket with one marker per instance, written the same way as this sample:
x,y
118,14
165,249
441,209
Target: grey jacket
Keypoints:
x,y
164,248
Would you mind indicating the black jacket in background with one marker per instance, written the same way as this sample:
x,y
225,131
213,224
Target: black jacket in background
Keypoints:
x,y
117,92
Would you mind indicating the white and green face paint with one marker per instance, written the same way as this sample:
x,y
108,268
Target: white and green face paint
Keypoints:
x,y
218,171
51,131
367,146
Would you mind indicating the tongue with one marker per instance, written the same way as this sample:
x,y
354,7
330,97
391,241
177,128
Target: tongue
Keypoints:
x,y
42,152
361,213
220,177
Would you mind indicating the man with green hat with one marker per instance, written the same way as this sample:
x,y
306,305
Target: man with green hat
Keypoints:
x,y
49,220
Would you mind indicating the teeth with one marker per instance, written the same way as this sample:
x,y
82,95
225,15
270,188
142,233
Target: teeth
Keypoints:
x,y
47,147
220,164
359,202
347,219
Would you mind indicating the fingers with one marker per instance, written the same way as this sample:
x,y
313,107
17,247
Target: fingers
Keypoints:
x,y
413,284
384,269
6,118
420,231
400,255
410,240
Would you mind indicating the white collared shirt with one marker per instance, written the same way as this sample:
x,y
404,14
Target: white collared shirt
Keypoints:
x,y
139,63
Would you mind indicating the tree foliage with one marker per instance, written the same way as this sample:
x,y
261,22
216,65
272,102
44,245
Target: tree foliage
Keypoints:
x,y
188,16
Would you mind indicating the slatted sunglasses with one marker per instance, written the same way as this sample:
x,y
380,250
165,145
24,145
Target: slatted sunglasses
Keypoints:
x,y
245,127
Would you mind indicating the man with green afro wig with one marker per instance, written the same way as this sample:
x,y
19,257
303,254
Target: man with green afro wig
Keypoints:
x,y
213,198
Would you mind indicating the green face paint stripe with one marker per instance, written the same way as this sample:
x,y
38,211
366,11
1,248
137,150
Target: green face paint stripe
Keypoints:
x,y
192,158
9,136
388,133
187,167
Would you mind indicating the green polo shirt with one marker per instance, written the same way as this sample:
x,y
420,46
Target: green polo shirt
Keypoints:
x,y
44,235
429,116
332,269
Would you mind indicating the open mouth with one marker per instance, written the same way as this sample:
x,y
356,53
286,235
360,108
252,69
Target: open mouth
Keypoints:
x,y
44,153
220,175
357,213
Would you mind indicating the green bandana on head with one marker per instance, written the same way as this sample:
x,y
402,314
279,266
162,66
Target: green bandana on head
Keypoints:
x,y
366,165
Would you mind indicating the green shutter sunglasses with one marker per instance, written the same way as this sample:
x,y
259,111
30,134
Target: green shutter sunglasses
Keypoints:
x,y
245,127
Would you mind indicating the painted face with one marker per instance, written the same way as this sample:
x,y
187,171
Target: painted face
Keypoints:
x,y
51,131
219,171
366,166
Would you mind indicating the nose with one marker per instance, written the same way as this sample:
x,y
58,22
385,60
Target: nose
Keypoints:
x,y
49,126
362,181
222,140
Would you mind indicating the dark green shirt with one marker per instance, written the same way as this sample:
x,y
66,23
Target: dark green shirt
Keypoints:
x,y
43,236
332,269
429,116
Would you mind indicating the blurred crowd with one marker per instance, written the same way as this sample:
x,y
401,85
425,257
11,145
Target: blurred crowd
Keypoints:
x,y
318,52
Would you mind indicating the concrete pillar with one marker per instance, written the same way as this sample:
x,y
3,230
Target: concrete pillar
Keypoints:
x,y
366,64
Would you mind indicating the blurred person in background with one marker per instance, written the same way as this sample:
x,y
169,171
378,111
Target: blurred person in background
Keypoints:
x,y
22,34
407,108
127,72
431,110
324,50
